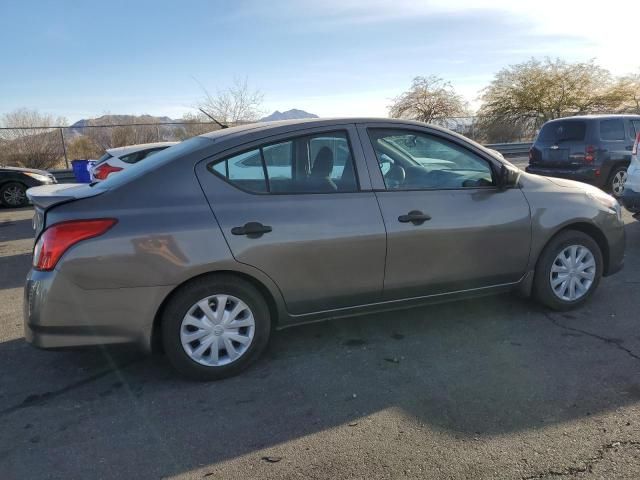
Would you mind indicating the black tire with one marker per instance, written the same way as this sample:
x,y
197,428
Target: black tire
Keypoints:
x,y
612,186
542,290
182,300
8,193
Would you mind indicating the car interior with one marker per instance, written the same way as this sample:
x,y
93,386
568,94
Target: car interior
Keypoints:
x,y
411,161
311,164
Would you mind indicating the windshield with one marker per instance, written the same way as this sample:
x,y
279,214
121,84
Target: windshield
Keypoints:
x,y
160,158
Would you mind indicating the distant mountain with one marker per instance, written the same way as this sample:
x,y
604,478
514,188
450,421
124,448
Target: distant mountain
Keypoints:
x,y
117,120
292,114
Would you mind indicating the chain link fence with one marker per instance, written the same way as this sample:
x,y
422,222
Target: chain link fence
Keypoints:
x,y
55,147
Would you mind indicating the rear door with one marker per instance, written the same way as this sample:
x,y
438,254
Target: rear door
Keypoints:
x,y
616,140
449,228
560,144
300,208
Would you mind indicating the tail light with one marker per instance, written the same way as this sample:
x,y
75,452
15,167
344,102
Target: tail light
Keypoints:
x,y
589,154
104,170
58,238
635,145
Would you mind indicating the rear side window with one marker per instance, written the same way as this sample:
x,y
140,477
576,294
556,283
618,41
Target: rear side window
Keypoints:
x,y
137,156
635,128
612,129
563,131
133,157
321,163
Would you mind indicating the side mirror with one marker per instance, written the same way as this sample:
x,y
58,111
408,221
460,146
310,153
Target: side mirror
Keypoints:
x,y
508,177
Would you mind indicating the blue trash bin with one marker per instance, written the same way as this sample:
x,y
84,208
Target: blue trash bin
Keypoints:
x,y
81,170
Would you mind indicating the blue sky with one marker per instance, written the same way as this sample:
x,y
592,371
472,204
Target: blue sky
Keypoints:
x,y
333,58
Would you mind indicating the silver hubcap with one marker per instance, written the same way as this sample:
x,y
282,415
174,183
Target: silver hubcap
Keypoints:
x,y
619,180
217,330
573,272
14,195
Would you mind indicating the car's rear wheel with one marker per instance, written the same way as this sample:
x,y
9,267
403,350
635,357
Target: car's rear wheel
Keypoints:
x,y
617,179
568,270
13,194
215,327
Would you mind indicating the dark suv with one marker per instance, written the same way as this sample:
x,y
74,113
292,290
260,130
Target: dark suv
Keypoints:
x,y
594,149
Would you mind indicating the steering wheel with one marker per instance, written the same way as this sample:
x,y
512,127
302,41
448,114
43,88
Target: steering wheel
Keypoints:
x,y
395,177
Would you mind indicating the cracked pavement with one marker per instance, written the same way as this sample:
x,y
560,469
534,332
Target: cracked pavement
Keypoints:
x,y
492,388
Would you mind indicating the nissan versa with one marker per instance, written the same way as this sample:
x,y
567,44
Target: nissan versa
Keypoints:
x,y
223,237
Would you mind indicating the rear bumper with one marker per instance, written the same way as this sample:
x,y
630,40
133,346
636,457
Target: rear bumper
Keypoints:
x,y
59,314
591,175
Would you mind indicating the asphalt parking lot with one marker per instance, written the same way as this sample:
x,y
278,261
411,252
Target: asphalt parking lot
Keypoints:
x,y
491,388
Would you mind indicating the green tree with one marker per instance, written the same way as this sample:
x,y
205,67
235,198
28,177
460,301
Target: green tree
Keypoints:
x,y
550,89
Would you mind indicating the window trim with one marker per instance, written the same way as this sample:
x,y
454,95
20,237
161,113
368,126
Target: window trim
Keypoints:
x,y
408,128
259,146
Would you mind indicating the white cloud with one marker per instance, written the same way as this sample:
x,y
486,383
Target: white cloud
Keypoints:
x,y
599,31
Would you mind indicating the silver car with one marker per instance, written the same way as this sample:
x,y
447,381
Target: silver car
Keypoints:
x,y
226,236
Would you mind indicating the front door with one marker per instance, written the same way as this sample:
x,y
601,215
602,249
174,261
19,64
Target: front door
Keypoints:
x,y
449,227
294,207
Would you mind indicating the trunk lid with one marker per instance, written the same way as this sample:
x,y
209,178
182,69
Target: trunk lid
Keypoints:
x,y
47,196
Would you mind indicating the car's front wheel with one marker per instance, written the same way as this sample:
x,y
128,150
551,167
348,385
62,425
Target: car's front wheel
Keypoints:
x,y
215,327
568,270
13,194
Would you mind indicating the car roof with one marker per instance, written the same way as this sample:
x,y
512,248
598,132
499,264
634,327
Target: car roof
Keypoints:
x,y
300,124
265,129
120,151
596,117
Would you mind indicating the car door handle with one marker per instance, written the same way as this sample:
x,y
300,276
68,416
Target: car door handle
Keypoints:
x,y
414,216
251,229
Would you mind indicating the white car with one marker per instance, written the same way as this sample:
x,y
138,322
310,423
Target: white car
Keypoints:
x,y
631,194
118,159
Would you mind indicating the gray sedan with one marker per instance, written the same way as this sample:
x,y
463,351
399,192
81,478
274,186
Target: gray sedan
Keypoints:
x,y
226,236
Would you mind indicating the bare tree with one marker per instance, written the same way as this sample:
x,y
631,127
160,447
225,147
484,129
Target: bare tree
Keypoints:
x,y
83,147
428,98
25,146
193,125
236,104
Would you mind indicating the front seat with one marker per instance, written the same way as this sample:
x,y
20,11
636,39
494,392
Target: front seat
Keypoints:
x,y
320,177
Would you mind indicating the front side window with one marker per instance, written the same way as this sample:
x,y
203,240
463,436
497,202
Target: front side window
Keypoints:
x,y
410,160
321,163
612,130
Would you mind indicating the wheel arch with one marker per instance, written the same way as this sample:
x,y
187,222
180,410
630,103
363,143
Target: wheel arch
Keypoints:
x,y
589,229
156,330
